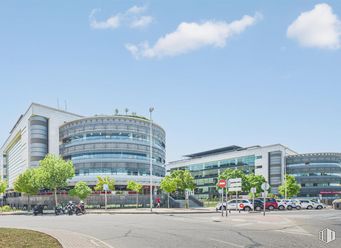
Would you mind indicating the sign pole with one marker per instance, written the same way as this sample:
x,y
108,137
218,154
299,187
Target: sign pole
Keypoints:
x,y
265,186
226,200
236,201
264,204
222,202
253,201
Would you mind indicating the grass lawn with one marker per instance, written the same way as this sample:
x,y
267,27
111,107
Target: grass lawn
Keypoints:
x,y
19,238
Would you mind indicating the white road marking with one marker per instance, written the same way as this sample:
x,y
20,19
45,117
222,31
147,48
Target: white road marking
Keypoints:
x,y
92,241
228,243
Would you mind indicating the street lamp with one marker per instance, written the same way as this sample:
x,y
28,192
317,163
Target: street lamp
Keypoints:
x,y
285,173
151,109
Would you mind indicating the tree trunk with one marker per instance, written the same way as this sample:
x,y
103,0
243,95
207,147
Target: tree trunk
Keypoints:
x,y
168,200
28,203
55,197
137,200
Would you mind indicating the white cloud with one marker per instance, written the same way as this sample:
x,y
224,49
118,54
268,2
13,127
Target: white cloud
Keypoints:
x,y
131,18
318,27
192,36
141,22
112,22
137,10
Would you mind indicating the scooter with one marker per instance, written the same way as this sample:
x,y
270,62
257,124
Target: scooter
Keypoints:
x,y
38,209
80,208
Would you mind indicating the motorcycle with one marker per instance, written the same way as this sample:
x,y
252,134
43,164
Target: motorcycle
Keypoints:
x,y
38,209
59,210
80,208
70,208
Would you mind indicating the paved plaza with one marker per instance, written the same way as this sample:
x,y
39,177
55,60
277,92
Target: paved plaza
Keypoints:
x,y
276,229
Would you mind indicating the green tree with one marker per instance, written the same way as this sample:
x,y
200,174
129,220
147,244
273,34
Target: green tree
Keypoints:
x,y
168,184
255,181
104,180
3,186
81,190
27,183
54,173
235,173
137,187
184,181
291,185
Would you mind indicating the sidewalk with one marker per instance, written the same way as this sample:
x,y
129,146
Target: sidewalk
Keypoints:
x,y
130,211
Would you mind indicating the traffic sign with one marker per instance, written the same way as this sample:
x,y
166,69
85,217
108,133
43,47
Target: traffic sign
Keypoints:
x,y
235,189
253,190
235,180
265,186
235,185
222,183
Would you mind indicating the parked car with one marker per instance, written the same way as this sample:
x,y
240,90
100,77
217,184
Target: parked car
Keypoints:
x,y
281,204
243,204
307,204
270,203
259,205
286,204
318,204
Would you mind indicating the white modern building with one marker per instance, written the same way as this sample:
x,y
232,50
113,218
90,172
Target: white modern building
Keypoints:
x,y
35,134
117,146
205,167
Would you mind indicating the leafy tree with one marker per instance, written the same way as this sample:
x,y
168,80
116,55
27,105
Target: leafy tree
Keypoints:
x,y
81,190
54,173
255,181
236,173
3,186
27,183
137,187
291,185
105,180
168,184
183,180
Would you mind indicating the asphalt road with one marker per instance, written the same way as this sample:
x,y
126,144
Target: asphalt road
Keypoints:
x,y
276,229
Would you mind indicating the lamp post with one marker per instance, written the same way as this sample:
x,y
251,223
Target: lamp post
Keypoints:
x,y
285,174
151,109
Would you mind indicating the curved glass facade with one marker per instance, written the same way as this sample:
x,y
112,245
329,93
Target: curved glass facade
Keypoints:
x,y
113,145
318,173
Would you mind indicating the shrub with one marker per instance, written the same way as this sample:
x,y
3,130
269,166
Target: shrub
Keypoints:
x,y
6,208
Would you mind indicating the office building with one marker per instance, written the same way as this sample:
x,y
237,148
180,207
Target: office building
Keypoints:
x,y
114,145
206,166
319,174
117,146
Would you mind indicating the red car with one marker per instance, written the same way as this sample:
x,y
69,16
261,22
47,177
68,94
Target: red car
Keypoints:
x,y
270,203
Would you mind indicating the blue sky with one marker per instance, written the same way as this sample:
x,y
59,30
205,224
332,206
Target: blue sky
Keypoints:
x,y
212,84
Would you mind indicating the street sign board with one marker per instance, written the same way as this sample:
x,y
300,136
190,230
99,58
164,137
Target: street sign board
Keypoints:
x,y
105,187
253,190
264,194
265,186
235,189
235,185
222,183
235,180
